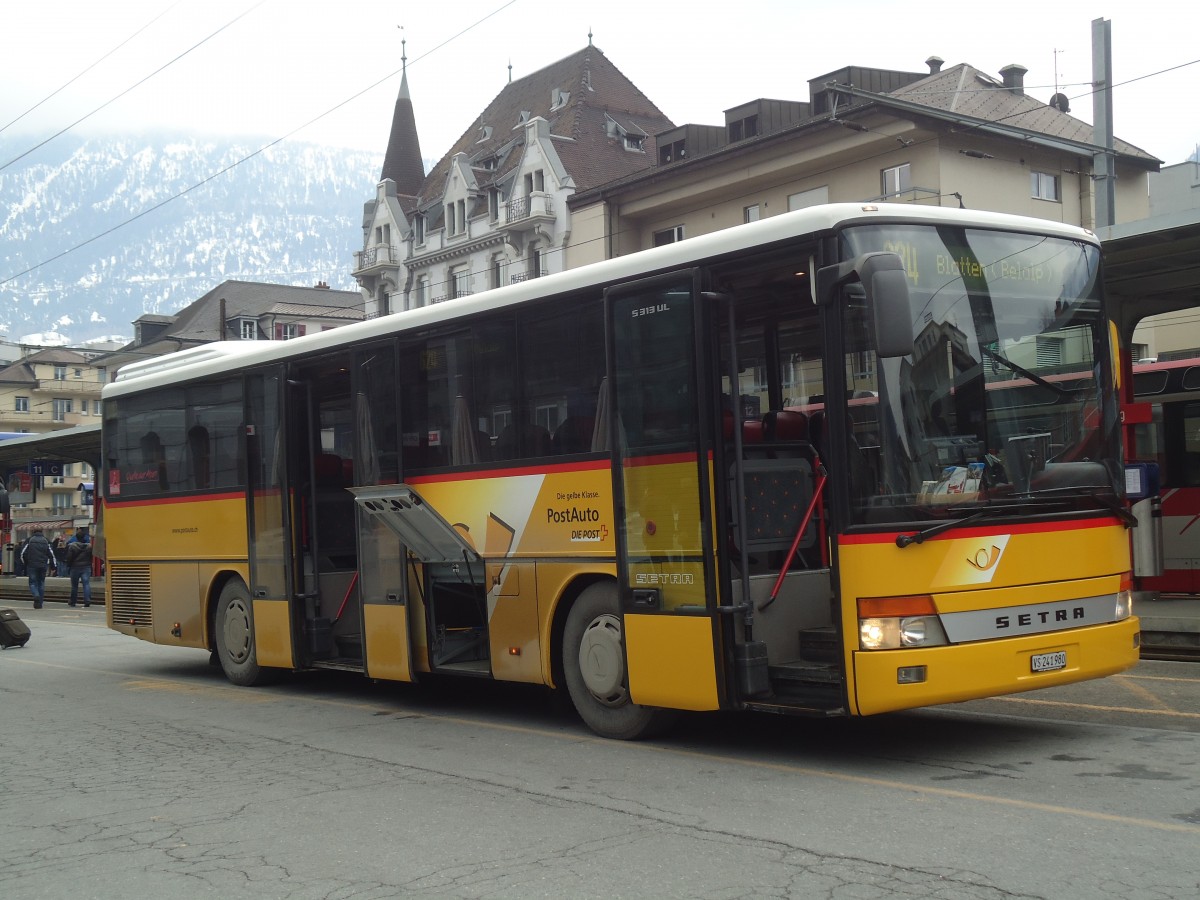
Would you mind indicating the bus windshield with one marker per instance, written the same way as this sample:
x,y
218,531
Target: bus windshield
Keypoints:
x,y
1005,401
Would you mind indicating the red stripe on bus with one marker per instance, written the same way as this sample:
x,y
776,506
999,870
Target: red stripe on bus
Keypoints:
x,y
889,537
666,459
166,501
588,465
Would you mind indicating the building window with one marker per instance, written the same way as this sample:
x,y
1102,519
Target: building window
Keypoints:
x,y
460,282
668,236
497,270
21,404
287,331
535,262
669,153
422,290
804,199
896,180
60,407
450,218
743,128
634,143
60,373
750,213
493,204
1044,186
102,374
534,181
249,330
419,229
60,502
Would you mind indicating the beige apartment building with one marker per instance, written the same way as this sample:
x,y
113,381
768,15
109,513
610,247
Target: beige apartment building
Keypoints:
x,y
45,391
945,137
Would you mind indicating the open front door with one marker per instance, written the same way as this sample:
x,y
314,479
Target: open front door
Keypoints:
x,y
663,490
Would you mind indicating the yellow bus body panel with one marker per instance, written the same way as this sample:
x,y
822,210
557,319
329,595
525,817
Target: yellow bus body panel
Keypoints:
x,y
195,529
273,634
990,668
981,569
671,661
387,642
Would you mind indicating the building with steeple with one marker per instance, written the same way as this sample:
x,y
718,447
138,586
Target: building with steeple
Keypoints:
x,y
493,210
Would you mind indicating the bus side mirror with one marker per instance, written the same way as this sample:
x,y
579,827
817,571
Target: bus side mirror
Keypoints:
x,y
886,285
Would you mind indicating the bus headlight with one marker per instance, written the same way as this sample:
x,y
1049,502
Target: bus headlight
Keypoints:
x,y
888,623
1124,604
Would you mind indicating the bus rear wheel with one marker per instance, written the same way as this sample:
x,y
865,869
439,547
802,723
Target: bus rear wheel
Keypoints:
x,y
594,669
235,635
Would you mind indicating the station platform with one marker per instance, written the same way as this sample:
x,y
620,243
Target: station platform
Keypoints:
x,y
1170,626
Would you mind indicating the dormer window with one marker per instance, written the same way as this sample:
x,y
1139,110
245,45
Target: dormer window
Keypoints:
x,y
559,98
673,152
418,229
485,133
523,117
743,128
248,329
632,138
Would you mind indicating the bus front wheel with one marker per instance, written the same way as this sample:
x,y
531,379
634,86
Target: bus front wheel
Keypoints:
x,y
235,635
594,668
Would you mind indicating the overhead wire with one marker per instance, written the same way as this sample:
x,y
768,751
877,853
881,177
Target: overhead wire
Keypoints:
x,y
132,87
243,159
101,59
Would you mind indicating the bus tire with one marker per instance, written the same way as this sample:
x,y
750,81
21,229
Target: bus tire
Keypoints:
x,y
594,668
234,628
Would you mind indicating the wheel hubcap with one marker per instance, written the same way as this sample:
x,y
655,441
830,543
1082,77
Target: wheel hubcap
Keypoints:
x,y
237,631
602,662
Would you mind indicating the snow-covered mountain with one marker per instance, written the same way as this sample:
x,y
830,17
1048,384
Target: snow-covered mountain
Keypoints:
x,y
113,228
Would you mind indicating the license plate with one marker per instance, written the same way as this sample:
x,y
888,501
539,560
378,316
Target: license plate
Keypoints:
x,y
1048,662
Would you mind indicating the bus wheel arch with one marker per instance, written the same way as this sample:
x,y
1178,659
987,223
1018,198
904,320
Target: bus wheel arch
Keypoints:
x,y
592,661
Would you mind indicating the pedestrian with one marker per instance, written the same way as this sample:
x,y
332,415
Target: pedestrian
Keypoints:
x,y
18,563
38,556
79,564
59,547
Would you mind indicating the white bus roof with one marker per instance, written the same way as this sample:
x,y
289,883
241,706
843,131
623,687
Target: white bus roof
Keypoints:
x,y
226,356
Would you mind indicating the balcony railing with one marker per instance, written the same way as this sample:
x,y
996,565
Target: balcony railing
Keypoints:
x,y
383,255
525,276
534,206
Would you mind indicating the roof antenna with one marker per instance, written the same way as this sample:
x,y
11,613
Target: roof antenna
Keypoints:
x,y
589,35
403,51
510,70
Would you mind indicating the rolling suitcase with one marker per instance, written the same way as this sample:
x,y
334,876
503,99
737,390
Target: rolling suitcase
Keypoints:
x,y
13,632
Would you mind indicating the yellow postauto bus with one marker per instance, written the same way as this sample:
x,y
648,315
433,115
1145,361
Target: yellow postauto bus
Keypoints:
x,y
760,469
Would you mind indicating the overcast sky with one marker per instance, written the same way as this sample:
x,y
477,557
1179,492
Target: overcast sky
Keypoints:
x,y
276,65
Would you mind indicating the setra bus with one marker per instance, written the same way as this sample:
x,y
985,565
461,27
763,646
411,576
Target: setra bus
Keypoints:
x,y
758,469
1172,439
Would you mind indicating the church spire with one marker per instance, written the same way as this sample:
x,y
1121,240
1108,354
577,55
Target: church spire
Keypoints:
x,y
402,161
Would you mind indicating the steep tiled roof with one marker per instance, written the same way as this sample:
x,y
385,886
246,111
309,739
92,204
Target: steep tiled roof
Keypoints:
x,y
22,372
593,86
402,163
965,90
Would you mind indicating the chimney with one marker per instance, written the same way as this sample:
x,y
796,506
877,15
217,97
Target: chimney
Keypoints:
x,y
322,285
935,64
1014,77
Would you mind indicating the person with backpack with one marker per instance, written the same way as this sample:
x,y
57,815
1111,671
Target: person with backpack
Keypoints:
x,y
38,557
79,564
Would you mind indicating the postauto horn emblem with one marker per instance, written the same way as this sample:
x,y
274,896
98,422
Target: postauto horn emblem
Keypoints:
x,y
985,558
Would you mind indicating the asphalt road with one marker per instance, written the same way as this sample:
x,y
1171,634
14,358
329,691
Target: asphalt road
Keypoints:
x,y
137,771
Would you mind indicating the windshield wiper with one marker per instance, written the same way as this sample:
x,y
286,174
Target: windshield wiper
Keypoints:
x,y
919,537
1110,503
1020,370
